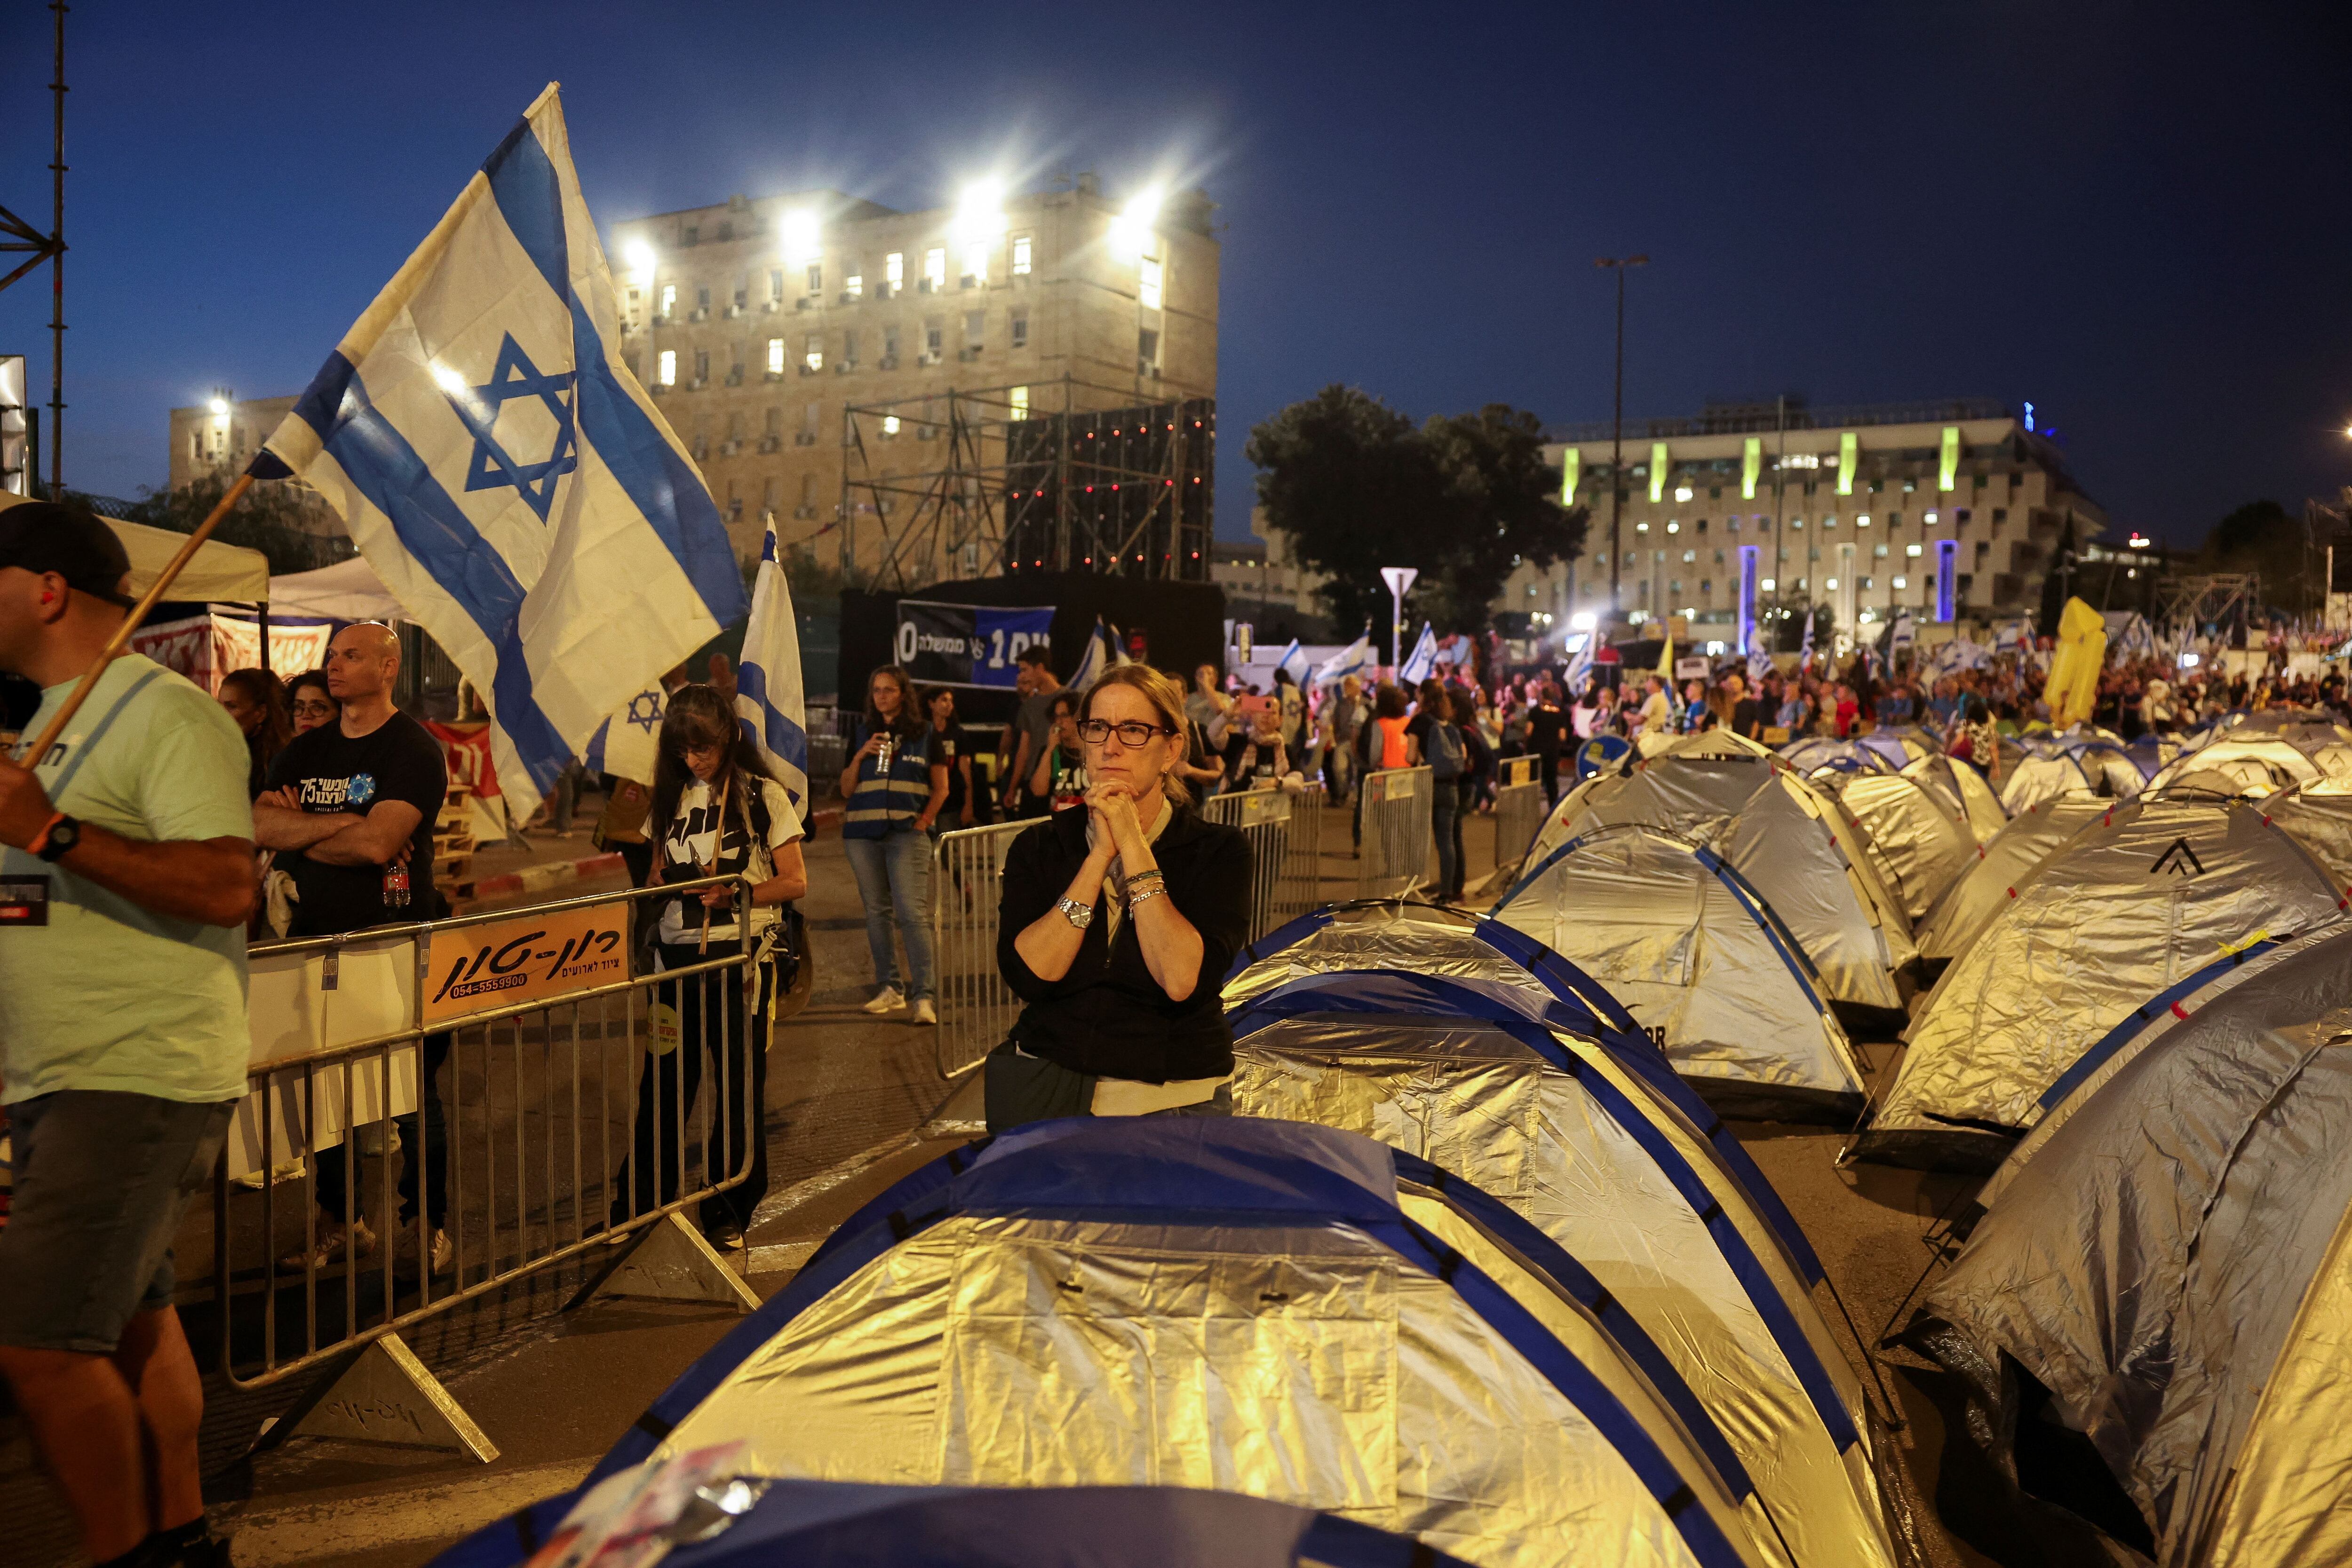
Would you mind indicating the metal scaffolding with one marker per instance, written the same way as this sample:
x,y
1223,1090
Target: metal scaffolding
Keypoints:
x,y
1059,475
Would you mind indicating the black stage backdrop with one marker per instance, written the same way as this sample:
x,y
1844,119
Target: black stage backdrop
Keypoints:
x,y
1183,625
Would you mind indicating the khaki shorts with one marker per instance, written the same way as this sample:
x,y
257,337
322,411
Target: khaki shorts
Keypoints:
x,y
100,1180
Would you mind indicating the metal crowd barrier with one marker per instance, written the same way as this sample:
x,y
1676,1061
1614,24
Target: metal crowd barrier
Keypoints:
x,y
1286,835
508,1050
1398,841
1519,809
977,1008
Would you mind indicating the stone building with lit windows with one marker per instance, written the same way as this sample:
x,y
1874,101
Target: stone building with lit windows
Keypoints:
x,y
222,434
758,323
1849,506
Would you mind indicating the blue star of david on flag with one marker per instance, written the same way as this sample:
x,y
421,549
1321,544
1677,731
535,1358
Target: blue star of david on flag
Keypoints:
x,y
478,407
645,711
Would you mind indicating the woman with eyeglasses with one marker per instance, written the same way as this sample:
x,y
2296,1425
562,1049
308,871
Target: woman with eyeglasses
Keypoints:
x,y
1115,929
308,703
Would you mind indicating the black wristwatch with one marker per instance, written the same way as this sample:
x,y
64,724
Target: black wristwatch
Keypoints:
x,y
63,836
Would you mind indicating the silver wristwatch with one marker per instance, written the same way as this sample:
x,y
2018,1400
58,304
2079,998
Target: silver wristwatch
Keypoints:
x,y
1079,915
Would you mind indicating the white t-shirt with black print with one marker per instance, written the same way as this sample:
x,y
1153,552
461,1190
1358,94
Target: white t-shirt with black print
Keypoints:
x,y
694,838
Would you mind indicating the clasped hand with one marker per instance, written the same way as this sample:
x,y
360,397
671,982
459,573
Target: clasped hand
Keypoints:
x,y
1110,807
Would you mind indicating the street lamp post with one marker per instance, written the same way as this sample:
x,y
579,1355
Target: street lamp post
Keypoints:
x,y
1618,263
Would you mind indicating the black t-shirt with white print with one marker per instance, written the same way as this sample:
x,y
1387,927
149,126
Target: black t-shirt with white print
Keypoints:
x,y
696,844
329,771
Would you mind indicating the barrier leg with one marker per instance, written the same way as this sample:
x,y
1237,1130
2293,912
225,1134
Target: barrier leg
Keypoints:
x,y
382,1393
669,1261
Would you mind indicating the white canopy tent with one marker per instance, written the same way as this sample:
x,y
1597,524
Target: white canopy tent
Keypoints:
x,y
347,591
227,572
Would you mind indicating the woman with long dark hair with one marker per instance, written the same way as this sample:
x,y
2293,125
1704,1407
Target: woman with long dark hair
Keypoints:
x,y
893,787
716,813
256,699
308,703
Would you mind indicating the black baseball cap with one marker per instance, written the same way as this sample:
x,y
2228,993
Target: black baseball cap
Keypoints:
x,y
77,545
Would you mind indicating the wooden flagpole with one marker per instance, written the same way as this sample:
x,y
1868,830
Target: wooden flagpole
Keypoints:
x,y
121,637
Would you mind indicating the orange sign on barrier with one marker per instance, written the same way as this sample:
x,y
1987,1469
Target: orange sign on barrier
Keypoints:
x,y
532,958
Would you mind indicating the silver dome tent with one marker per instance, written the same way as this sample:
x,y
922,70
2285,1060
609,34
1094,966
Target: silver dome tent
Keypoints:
x,y
1962,789
2169,1256
1264,1307
1921,844
2148,894
1579,1141
1989,883
1700,960
1802,851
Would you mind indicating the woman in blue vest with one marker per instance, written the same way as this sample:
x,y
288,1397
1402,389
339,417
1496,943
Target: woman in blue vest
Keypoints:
x,y
894,787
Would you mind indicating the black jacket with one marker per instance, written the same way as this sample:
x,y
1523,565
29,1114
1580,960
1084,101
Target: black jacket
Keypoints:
x,y
1108,1016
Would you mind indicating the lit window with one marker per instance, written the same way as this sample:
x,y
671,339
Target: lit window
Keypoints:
x,y
775,357
1148,287
854,285
890,425
1910,550
1863,520
975,264
1831,583
1929,520
1902,583
669,300
1767,585
1795,522
894,272
935,269
1020,401
1021,255
1020,329
1641,528
668,372
1690,556
1673,526
1682,492
814,356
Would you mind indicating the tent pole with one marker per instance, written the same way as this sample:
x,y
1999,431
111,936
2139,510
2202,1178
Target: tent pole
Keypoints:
x,y
264,638
121,637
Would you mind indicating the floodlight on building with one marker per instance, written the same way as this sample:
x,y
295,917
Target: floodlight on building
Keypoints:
x,y
640,257
1131,230
801,235
1583,621
219,406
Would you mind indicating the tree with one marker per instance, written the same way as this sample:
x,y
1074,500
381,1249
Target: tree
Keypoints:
x,y
274,517
1356,487
1502,507
2263,537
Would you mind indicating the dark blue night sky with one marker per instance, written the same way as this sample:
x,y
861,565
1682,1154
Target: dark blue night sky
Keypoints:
x,y
2135,216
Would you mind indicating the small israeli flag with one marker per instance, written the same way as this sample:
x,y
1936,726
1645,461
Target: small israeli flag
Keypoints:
x,y
1759,655
1422,662
1294,660
1102,656
625,744
1356,660
1902,633
768,696
505,474
1805,654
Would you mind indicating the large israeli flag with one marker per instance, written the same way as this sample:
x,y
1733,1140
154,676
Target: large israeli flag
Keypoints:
x,y
768,698
505,474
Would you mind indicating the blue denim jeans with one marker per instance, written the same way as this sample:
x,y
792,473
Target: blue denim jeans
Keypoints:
x,y
894,882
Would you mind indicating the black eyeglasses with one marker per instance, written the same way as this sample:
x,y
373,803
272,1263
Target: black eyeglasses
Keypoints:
x,y
1095,731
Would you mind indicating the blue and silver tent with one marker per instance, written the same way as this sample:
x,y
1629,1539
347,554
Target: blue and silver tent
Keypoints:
x,y
2134,906
2169,1255
1289,1311
1921,844
1814,755
1788,837
1702,962
1580,1135
844,1524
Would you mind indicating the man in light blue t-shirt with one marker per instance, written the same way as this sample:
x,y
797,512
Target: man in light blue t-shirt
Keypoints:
x,y
126,872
